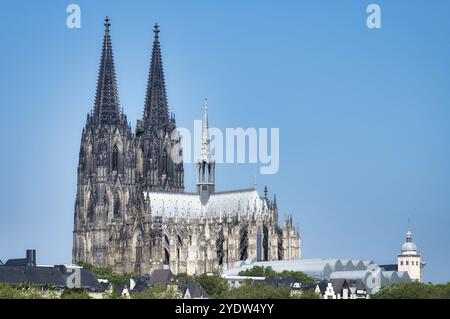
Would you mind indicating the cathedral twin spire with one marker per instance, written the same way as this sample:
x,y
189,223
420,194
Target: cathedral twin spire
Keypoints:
x,y
106,108
156,170
156,107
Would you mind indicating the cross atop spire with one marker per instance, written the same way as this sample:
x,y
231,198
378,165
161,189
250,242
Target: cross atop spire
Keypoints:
x,y
106,107
156,28
156,111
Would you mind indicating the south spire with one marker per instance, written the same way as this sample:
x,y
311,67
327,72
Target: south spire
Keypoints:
x,y
155,136
156,109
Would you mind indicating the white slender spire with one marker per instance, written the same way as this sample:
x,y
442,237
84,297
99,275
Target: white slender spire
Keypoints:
x,y
205,151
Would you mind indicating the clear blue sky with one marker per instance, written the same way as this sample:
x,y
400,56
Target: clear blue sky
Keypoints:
x,y
364,115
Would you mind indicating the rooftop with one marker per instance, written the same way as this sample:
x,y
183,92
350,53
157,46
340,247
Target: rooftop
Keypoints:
x,y
189,205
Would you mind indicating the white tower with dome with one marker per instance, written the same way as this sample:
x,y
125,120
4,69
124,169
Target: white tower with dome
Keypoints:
x,y
410,259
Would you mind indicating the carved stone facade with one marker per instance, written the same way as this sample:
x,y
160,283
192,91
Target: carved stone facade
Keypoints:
x,y
131,211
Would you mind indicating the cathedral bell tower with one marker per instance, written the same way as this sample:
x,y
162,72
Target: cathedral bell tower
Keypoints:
x,y
105,169
206,166
159,157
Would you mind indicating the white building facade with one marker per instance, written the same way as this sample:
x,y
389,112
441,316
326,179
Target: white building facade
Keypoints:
x,y
410,260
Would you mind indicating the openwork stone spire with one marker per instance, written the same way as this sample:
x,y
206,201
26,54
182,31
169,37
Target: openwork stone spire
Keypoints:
x,y
205,151
156,106
106,107
206,166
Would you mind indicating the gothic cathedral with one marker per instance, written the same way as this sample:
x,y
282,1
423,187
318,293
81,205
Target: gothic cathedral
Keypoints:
x,y
131,210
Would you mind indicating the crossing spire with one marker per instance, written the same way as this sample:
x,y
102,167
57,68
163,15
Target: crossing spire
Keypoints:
x,y
205,151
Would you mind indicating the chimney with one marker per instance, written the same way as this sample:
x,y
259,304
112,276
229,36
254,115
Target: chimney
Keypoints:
x,y
31,258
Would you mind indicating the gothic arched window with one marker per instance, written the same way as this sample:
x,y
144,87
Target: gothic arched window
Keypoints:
x,y
115,158
259,245
265,243
91,208
116,204
166,257
219,247
165,162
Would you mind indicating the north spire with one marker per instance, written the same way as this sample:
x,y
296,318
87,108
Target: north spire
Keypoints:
x,y
156,111
106,107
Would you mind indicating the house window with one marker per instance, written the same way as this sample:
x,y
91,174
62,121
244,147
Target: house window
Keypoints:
x,y
407,263
401,263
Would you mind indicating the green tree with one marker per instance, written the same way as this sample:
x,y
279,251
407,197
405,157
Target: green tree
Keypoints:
x,y
259,290
184,278
159,291
24,291
75,293
310,294
214,285
260,271
414,290
114,295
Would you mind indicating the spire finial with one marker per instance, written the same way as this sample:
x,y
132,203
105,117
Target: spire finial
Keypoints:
x,y
205,105
107,23
265,191
156,28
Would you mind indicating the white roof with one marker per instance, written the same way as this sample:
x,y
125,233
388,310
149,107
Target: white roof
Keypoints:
x,y
186,205
373,280
316,268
